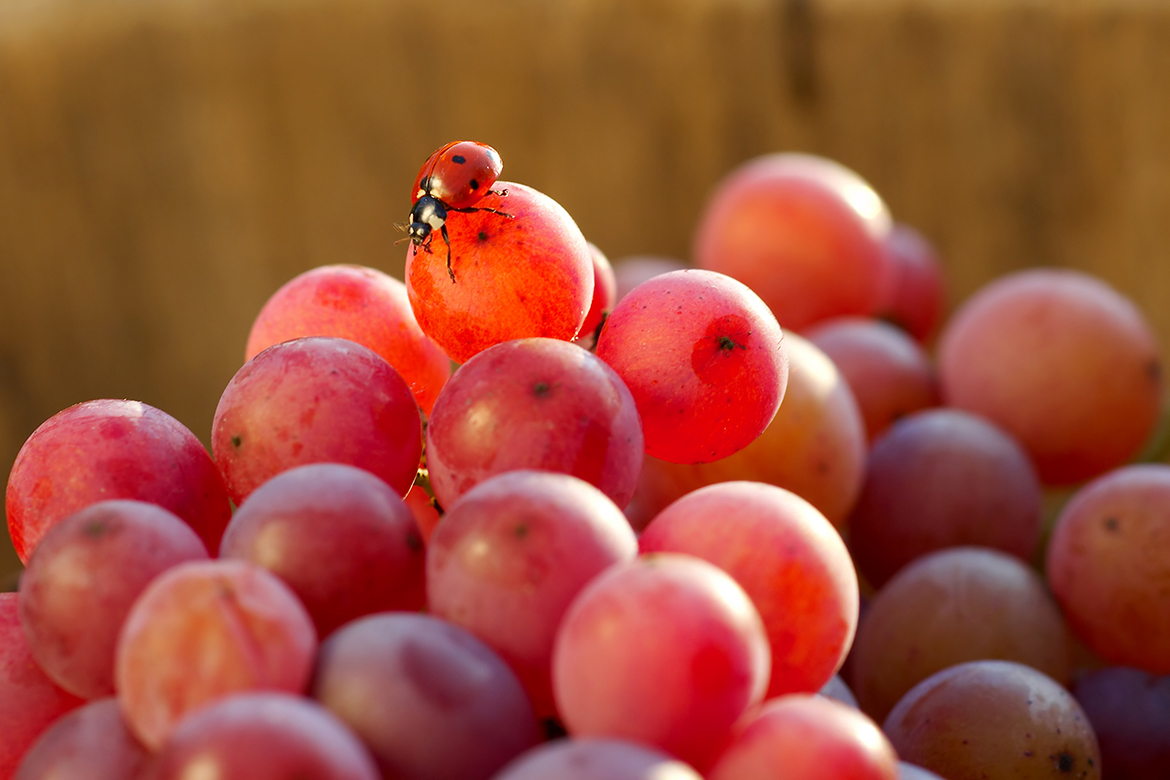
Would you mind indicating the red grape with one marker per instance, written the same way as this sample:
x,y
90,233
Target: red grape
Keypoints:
x,y
997,719
604,296
512,553
534,404
596,759
429,700
82,580
106,449
805,737
889,374
1061,361
704,360
515,277
804,232
314,400
955,605
360,304
89,743
916,292
1130,713
29,700
815,446
202,631
341,538
263,736
787,557
1109,566
942,478
666,650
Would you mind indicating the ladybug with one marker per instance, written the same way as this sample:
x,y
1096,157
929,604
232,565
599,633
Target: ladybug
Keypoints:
x,y
454,178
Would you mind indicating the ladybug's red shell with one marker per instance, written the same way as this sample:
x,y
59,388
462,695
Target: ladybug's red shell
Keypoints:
x,y
458,174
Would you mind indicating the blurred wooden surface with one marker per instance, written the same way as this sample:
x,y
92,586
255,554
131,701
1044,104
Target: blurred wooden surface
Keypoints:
x,y
166,164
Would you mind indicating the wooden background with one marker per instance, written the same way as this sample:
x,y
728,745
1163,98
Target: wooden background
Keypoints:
x,y
166,164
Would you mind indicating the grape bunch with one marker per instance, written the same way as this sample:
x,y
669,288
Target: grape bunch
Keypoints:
x,y
532,515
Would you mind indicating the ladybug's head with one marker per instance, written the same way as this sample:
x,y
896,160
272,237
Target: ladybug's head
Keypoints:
x,y
426,216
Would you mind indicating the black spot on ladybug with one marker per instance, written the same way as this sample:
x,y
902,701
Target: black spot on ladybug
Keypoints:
x,y
483,236
474,184
1111,524
458,159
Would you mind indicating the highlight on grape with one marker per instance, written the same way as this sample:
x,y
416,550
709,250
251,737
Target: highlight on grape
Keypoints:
x,y
531,513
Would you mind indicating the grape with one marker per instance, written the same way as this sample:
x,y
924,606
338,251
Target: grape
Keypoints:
x,y
512,553
429,700
915,296
341,538
360,304
806,737
604,297
88,743
789,560
629,272
955,605
815,447
203,630
106,449
704,360
82,580
1130,714
912,772
838,690
312,400
516,277
1109,566
666,650
804,232
596,759
987,719
889,374
263,736
534,404
1061,361
942,478
29,700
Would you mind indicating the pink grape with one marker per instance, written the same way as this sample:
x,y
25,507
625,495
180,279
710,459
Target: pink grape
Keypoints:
x,y
666,650
915,295
1031,352
342,540
942,478
1108,563
428,699
1130,713
203,630
313,400
806,737
360,304
263,736
596,759
787,557
82,580
90,743
890,375
804,232
539,404
99,450
704,360
29,700
512,553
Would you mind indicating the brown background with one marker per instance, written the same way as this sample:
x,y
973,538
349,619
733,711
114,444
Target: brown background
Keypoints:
x,y
166,164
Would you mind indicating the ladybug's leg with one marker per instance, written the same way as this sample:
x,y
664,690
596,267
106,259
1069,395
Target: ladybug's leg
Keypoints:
x,y
469,209
447,240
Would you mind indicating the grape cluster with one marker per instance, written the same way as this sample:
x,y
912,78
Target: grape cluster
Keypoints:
x,y
639,533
